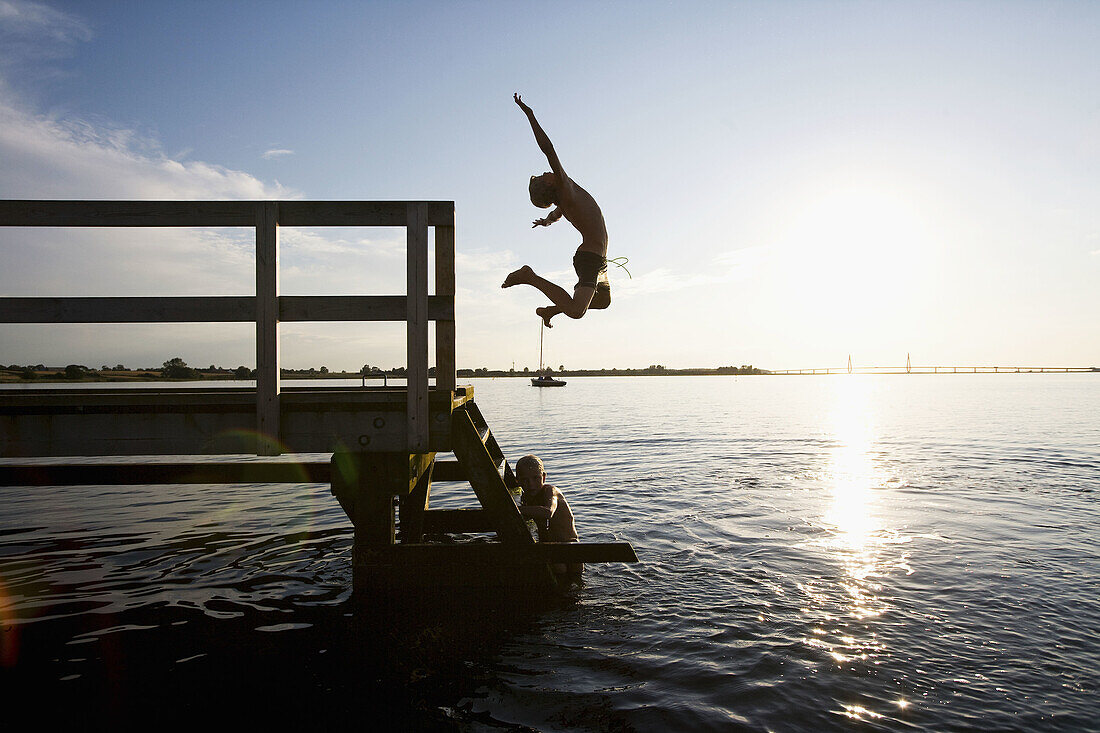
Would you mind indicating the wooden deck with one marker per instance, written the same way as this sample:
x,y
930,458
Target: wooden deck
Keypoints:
x,y
201,421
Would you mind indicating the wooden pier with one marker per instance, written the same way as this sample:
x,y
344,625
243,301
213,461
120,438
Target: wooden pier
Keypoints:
x,y
383,441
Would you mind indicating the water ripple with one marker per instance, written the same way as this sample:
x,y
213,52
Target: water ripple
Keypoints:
x,y
818,554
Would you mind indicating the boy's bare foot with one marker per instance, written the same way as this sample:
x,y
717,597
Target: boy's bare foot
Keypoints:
x,y
520,277
546,314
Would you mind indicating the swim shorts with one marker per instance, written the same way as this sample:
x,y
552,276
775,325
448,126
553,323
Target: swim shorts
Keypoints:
x,y
591,269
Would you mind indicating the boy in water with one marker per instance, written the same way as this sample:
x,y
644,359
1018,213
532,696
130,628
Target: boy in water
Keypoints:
x,y
547,506
579,208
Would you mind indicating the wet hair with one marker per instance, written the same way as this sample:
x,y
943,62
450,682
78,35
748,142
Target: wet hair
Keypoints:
x,y
543,193
529,463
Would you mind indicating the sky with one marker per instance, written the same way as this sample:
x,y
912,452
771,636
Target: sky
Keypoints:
x,y
792,182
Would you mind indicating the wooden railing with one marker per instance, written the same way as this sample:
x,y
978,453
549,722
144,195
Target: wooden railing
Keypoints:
x,y
267,308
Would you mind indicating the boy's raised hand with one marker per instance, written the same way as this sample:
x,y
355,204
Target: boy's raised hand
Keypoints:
x,y
519,101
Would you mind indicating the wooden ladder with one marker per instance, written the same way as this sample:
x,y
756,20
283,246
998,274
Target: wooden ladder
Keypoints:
x,y
366,485
489,474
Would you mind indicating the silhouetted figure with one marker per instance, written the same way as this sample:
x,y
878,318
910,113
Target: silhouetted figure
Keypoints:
x,y
557,189
545,504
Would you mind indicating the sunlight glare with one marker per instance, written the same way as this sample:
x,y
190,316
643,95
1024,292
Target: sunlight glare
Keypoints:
x,y
858,249
852,467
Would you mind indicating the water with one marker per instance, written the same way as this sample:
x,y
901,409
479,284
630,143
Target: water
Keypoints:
x,y
818,553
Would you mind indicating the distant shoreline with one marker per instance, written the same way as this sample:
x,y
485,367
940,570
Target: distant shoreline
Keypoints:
x,y
53,375
57,374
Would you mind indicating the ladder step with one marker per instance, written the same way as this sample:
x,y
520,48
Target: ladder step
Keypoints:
x,y
453,471
496,553
485,477
489,440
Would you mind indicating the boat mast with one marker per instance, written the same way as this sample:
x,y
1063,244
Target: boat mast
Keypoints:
x,y
542,330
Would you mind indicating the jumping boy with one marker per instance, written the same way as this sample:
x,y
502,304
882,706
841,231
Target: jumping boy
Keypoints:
x,y
580,209
547,506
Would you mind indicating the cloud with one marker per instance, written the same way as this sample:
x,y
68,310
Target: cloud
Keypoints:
x,y
35,21
52,157
276,153
726,267
31,30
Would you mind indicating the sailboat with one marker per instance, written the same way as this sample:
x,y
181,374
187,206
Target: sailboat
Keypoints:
x,y
544,380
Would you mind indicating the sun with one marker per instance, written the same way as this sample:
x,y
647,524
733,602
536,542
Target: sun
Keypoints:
x,y
864,254
860,238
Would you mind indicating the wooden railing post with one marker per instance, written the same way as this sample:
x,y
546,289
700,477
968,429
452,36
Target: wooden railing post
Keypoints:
x,y
417,317
445,286
267,328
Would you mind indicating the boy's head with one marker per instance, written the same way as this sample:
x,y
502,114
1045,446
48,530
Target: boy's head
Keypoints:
x,y
530,473
544,190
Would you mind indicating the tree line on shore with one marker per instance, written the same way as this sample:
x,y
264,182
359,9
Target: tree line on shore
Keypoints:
x,y
652,370
176,368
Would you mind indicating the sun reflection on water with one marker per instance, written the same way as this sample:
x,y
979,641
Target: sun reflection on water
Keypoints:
x,y
846,600
852,474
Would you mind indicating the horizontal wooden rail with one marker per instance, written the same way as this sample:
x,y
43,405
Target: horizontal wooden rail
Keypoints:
x,y
214,309
90,213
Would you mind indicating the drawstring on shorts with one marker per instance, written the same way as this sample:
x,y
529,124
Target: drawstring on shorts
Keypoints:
x,y
620,262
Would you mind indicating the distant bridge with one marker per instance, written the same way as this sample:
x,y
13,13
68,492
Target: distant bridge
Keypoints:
x,y
937,370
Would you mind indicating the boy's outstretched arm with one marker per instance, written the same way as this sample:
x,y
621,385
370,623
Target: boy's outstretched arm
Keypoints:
x,y
543,140
552,217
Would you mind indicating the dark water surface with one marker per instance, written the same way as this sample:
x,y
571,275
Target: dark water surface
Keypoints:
x,y
834,552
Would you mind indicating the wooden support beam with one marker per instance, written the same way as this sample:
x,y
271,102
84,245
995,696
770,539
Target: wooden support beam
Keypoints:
x,y
267,327
445,288
417,317
365,485
414,506
393,473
